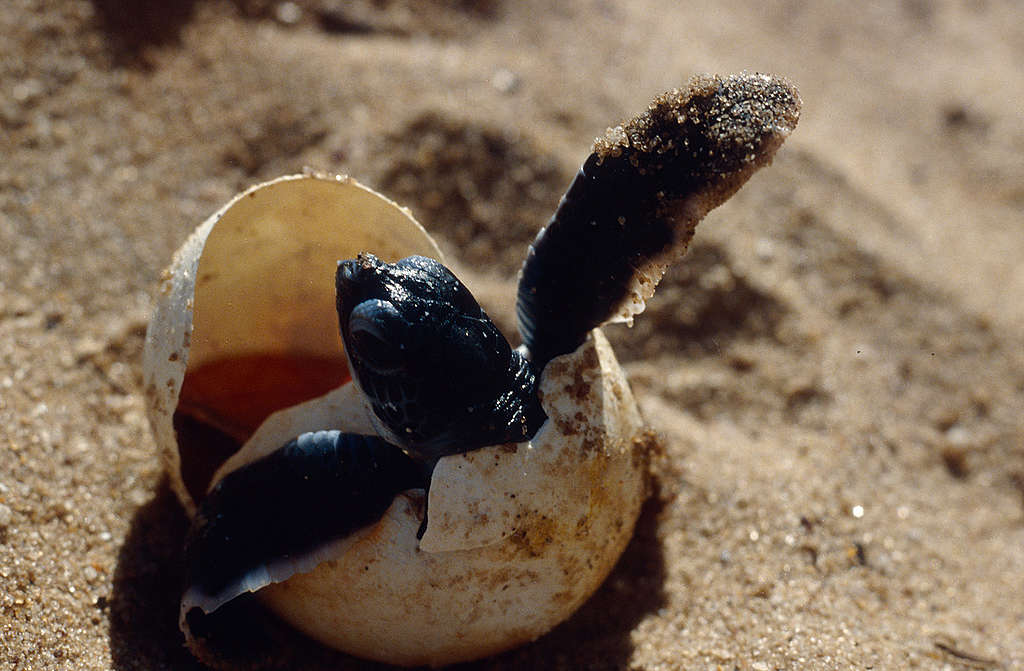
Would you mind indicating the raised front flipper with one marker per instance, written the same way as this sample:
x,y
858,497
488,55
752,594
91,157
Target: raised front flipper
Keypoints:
x,y
632,208
280,515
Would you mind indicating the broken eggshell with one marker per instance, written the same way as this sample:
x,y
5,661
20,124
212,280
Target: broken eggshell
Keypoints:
x,y
243,354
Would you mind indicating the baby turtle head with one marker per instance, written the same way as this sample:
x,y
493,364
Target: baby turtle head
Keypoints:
x,y
439,375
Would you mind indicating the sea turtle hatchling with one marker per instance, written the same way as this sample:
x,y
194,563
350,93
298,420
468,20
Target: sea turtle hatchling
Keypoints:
x,y
436,378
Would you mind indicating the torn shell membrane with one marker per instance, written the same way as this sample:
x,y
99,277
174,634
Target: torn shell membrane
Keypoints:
x,y
243,354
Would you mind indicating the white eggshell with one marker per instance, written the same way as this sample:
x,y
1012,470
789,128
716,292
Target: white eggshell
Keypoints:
x,y
257,278
518,536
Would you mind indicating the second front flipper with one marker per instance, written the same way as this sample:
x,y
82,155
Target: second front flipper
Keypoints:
x,y
278,516
633,207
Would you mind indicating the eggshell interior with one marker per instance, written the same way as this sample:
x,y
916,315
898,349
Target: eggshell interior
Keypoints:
x,y
518,536
245,323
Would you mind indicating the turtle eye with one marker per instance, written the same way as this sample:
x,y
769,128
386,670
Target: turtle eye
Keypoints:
x,y
378,335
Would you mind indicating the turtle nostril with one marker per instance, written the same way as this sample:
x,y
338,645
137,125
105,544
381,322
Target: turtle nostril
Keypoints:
x,y
347,271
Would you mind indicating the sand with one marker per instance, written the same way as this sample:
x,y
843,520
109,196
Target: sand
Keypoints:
x,y
836,370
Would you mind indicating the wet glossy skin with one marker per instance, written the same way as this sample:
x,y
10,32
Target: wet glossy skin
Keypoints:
x,y
440,377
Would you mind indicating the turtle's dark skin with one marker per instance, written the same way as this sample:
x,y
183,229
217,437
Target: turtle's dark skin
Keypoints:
x,y
638,198
440,378
439,375
348,480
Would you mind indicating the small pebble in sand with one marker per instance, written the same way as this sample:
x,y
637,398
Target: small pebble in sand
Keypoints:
x,y
288,13
6,515
505,80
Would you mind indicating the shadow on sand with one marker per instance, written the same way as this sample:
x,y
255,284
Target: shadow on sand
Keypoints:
x,y
599,635
131,27
143,618
143,611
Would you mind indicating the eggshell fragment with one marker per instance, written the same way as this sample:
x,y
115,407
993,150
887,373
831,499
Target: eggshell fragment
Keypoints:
x,y
251,287
518,536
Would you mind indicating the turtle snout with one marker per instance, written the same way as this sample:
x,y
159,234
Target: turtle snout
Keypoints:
x,y
354,272
347,272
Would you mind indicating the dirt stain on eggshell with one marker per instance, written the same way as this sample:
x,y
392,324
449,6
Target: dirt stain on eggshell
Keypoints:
x,y
517,539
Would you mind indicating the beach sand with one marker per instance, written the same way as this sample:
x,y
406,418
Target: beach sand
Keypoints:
x,y
836,370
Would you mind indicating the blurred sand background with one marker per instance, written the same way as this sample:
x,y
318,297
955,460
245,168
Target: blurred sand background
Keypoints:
x,y
837,370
